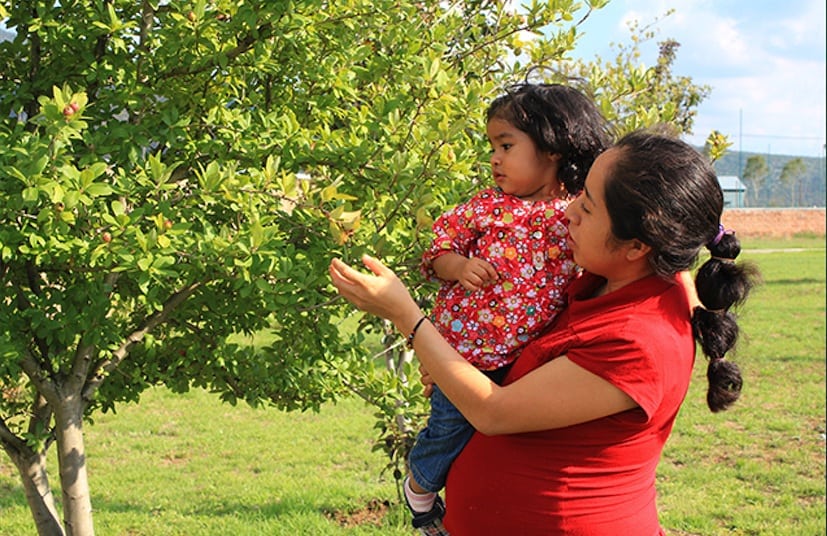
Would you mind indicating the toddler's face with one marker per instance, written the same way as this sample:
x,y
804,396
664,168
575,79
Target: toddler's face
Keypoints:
x,y
519,169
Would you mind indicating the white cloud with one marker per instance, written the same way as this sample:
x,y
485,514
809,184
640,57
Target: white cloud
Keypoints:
x,y
765,63
807,27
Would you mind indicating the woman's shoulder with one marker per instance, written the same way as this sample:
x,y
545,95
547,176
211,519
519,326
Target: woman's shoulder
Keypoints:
x,y
640,312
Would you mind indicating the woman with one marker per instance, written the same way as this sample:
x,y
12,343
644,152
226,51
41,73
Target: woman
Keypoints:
x,y
570,442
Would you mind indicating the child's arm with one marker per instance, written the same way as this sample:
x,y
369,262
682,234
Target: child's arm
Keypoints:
x,y
471,273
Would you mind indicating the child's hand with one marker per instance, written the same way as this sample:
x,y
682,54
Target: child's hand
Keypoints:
x,y
426,380
476,273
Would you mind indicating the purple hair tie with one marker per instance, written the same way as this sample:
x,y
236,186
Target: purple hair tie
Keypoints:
x,y
721,232
718,236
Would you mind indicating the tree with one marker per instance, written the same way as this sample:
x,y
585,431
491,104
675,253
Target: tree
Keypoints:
x,y
755,171
791,174
156,207
177,177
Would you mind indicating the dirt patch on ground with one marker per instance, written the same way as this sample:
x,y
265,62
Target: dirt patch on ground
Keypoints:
x,y
775,222
372,514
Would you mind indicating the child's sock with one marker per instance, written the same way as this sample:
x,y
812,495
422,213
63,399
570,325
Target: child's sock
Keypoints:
x,y
419,502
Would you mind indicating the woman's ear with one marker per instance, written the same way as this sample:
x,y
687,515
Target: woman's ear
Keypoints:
x,y
637,250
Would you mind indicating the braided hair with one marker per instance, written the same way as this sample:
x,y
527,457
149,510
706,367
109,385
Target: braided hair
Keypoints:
x,y
664,193
721,285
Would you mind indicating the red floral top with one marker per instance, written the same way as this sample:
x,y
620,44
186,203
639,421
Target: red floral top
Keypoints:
x,y
525,241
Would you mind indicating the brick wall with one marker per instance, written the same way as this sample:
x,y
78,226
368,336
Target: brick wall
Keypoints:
x,y
770,222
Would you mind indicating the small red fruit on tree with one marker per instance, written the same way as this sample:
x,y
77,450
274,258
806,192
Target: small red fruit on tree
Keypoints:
x,y
106,237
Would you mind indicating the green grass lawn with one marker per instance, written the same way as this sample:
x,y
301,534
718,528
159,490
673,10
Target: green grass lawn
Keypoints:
x,y
189,465
759,468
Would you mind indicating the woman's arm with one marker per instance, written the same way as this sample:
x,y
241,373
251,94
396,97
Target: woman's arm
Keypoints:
x,y
555,395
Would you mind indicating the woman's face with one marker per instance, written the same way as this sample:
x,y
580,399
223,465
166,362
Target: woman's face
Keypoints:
x,y
590,226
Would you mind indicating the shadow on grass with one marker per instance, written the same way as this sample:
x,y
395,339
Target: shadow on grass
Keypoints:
x,y
808,281
370,511
366,512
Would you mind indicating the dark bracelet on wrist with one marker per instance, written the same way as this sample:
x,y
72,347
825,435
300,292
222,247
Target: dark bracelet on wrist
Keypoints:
x,y
409,340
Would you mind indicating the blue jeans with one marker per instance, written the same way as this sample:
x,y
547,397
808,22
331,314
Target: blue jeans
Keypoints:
x,y
441,441
438,443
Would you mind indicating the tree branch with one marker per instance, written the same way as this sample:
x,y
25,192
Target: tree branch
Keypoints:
x,y
150,323
39,377
41,413
86,352
34,66
244,45
23,304
11,443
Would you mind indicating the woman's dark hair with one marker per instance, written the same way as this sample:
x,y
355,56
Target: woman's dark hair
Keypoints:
x,y
559,120
665,194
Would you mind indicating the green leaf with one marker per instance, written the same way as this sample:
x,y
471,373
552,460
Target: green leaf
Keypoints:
x,y
13,171
57,193
117,208
434,70
31,194
98,189
144,263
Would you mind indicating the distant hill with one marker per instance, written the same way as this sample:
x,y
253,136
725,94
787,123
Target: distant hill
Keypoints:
x,y
808,192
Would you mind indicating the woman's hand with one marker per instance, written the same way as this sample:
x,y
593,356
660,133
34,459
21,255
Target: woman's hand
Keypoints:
x,y
380,293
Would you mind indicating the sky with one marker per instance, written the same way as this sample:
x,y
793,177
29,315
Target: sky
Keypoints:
x,y
764,61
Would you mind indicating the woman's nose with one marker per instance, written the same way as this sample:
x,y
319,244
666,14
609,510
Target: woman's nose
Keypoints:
x,y
570,211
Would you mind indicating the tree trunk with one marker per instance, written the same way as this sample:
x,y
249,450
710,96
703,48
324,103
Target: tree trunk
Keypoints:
x,y
32,468
397,368
71,455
